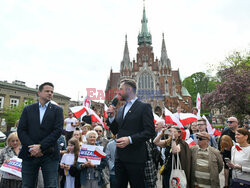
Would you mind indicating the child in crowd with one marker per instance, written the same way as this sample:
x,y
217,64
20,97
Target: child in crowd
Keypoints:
x,y
68,164
78,135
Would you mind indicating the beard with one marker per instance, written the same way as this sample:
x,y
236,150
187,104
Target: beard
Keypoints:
x,y
124,97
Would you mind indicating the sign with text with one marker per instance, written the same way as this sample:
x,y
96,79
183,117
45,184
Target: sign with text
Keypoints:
x,y
87,153
13,166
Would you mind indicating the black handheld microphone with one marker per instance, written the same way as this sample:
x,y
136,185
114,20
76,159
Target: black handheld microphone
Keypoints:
x,y
114,103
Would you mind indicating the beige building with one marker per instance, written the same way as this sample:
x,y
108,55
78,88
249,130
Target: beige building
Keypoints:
x,y
15,93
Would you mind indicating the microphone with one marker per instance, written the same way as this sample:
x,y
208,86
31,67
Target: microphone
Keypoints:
x,y
114,103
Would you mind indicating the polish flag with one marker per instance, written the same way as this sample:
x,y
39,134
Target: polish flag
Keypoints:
x,y
170,118
190,142
105,111
99,153
157,119
187,118
96,118
198,104
210,129
78,110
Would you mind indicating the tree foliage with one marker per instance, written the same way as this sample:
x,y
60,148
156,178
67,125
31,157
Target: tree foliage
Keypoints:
x,y
13,113
234,90
201,83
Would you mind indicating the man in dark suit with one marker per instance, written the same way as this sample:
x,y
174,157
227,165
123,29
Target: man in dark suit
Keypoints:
x,y
40,126
134,125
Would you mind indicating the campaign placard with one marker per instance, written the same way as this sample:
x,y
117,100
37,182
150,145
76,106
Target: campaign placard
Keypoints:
x,y
14,167
87,152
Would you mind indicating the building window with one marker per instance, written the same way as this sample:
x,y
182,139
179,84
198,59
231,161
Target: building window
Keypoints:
x,y
1,102
14,102
146,86
166,87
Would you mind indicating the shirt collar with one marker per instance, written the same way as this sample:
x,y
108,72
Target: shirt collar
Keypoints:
x,y
45,106
131,101
200,149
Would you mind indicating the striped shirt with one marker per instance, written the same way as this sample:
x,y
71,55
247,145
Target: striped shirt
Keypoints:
x,y
202,173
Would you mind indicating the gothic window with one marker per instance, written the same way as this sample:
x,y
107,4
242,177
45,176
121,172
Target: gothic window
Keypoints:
x,y
166,86
174,89
146,86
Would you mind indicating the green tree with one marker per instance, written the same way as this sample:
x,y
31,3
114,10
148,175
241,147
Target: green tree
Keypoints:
x,y
13,113
234,90
201,83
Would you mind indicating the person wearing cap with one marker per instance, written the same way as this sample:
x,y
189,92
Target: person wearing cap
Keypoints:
x,y
232,123
207,163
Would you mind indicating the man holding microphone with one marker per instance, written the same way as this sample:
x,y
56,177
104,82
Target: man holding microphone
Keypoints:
x,y
134,125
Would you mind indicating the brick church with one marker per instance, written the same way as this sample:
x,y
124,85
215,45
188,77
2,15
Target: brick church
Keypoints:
x,y
157,83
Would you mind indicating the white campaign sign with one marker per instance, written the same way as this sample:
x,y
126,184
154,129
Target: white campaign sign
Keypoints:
x,y
87,153
14,167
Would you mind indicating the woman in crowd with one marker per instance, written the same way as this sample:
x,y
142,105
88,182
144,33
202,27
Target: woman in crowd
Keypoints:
x,y
91,175
240,159
226,145
68,164
85,129
173,145
11,150
77,134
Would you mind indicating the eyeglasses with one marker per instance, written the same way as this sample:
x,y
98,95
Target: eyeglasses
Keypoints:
x,y
200,124
230,122
98,131
200,138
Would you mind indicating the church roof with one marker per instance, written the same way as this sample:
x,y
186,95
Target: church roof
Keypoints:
x,y
185,92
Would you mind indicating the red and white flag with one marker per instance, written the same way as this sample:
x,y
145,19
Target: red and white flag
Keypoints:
x,y
170,118
99,153
78,110
157,119
105,111
187,118
190,142
96,118
198,104
210,129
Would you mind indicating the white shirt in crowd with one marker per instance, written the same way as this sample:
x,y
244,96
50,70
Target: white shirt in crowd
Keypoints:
x,y
68,122
68,159
242,158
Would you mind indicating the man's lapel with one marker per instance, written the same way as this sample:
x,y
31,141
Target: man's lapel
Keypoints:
x,y
37,113
130,111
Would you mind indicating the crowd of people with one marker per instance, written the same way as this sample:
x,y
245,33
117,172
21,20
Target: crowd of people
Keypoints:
x,y
136,149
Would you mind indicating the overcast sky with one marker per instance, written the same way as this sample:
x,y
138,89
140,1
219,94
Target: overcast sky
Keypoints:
x,y
75,43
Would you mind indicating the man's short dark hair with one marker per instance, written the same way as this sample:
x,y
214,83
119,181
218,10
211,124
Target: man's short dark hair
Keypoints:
x,y
130,83
45,84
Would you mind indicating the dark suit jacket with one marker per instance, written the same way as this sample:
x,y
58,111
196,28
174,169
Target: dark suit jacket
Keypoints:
x,y
30,131
139,125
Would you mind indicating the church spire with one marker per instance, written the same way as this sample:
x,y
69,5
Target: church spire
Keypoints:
x,y
126,65
144,36
164,57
